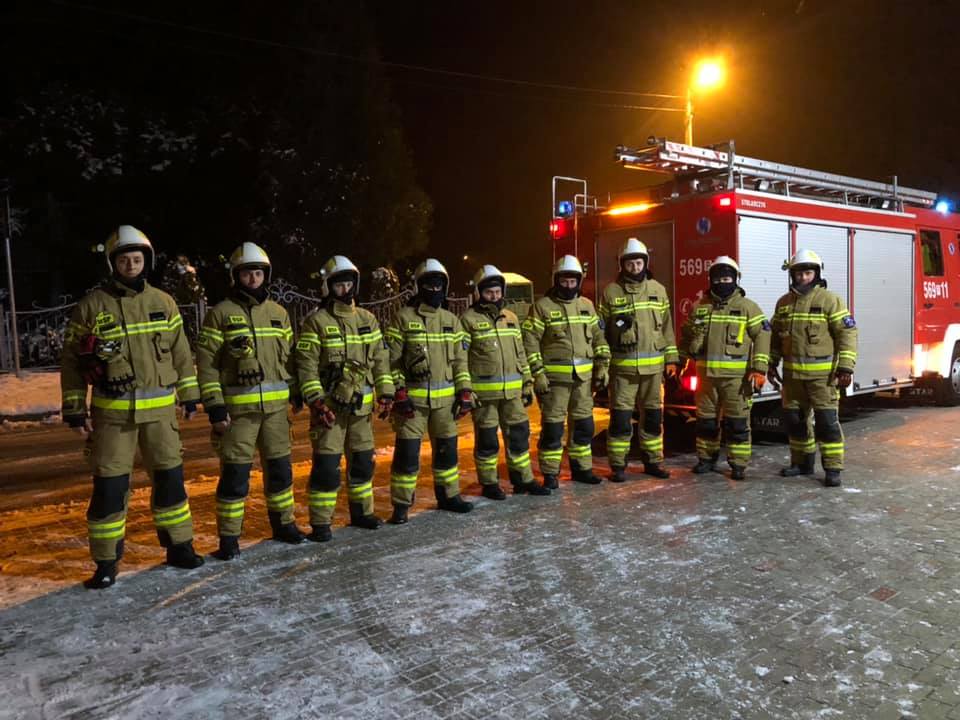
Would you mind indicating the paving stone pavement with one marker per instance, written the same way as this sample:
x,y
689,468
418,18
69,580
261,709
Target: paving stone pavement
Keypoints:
x,y
694,597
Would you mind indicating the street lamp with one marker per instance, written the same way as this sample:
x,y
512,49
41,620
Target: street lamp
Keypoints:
x,y
707,75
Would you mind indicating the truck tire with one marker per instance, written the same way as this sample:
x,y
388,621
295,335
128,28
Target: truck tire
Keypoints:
x,y
948,391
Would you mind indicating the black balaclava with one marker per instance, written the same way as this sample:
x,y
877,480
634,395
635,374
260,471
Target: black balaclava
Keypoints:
x,y
642,275
433,298
721,289
348,297
491,307
258,295
804,289
567,293
138,283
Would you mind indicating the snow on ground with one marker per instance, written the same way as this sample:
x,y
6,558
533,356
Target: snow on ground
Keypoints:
x,y
33,393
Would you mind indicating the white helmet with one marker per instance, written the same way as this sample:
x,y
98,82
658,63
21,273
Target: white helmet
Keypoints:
x,y
488,272
632,247
729,262
430,266
126,238
804,257
567,264
247,255
338,265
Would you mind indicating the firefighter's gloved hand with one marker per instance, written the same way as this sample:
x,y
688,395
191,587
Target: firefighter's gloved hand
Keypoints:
x,y
189,408
403,405
241,347
672,371
80,424
601,377
463,403
384,406
773,375
417,363
541,384
757,380
296,401
219,418
249,371
349,386
119,376
625,332
844,378
91,366
321,414
527,394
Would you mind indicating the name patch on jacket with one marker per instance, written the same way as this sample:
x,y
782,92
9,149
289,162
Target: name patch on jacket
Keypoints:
x,y
413,325
619,301
556,314
276,323
158,316
584,312
448,329
483,325
510,324
365,330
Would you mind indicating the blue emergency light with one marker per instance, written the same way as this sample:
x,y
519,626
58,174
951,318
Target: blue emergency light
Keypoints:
x,y
943,206
565,209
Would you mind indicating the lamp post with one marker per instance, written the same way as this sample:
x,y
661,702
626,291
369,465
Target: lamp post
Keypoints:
x,y
707,75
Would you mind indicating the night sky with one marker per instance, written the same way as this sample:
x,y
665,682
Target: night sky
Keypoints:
x,y
856,87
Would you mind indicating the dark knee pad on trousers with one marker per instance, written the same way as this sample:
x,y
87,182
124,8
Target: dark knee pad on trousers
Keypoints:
x,y
325,472
827,426
444,452
736,430
551,435
583,431
620,422
652,420
108,495
234,480
518,438
168,489
707,427
278,474
487,442
361,465
796,426
406,457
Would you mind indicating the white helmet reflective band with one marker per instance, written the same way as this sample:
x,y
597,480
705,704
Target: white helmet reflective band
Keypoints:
x,y
247,255
567,264
805,257
126,238
338,265
728,261
430,266
630,247
485,273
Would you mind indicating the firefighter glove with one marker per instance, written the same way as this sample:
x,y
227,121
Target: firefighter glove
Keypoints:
x,y
349,388
91,366
541,384
402,404
248,371
120,377
527,394
384,405
757,380
463,403
625,332
296,400
75,421
189,409
672,370
217,413
844,378
601,377
321,414
416,362
241,347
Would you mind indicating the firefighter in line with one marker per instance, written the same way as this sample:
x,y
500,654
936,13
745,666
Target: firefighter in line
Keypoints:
x,y
243,359
429,361
341,356
564,342
636,312
728,337
126,339
500,377
816,337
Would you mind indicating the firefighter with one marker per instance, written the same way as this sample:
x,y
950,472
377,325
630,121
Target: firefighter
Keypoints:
x,y
500,377
636,312
126,339
728,337
428,358
566,350
816,336
341,357
242,360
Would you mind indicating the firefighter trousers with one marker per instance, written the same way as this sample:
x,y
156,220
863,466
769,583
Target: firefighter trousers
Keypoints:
x,y
442,429
351,435
819,399
642,393
111,449
511,418
573,401
723,404
248,432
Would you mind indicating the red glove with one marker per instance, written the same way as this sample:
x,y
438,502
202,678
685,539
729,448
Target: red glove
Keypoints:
x,y
463,403
385,405
91,367
672,370
844,378
757,380
321,414
403,405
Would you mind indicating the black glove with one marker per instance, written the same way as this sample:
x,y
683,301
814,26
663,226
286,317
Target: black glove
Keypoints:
x,y
216,413
844,378
75,421
463,403
189,407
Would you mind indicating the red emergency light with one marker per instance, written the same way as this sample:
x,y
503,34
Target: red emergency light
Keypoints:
x,y
723,202
690,382
560,227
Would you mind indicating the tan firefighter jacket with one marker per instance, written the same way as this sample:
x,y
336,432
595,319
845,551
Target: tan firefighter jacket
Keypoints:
x,y
727,337
639,326
814,334
495,356
564,339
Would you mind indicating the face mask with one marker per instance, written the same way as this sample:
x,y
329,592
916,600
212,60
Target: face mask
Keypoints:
x,y
136,284
565,293
258,294
635,277
722,289
491,306
433,298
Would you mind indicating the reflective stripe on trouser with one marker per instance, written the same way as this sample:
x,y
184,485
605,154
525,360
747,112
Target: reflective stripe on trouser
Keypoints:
x,y
573,400
731,400
107,515
817,400
511,417
442,429
641,393
351,435
171,510
236,446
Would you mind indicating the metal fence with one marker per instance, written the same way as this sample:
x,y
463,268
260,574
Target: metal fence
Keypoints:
x,y
41,329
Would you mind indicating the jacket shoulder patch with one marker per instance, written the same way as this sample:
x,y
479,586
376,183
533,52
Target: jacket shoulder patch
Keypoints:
x,y
276,323
158,315
620,300
414,325
556,314
483,325
237,320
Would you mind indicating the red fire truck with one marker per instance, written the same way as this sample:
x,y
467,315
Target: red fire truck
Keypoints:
x,y
893,253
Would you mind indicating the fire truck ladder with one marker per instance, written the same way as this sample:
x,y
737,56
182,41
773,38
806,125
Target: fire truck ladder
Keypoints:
x,y
688,162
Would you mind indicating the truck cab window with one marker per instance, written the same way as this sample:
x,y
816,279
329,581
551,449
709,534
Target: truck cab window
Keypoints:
x,y
932,253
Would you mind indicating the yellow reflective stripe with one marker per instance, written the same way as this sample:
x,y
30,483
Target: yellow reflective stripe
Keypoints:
x,y
839,315
187,382
493,386
310,337
106,530
499,332
212,333
403,481
74,394
448,476
578,451
137,404
360,491
551,454
435,392
280,500
486,462
322,498
172,517
807,366
638,362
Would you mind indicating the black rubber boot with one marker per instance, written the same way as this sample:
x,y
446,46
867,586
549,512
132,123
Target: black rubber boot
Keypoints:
x,y
550,482
617,474
795,470
104,577
399,516
285,532
738,472
454,504
656,470
183,556
320,533
358,519
831,478
704,466
494,492
229,548
531,488
586,477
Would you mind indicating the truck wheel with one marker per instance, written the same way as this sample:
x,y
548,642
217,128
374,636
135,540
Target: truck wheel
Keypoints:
x,y
948,391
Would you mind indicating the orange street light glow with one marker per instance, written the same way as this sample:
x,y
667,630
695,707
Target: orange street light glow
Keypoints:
x,y
627,209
